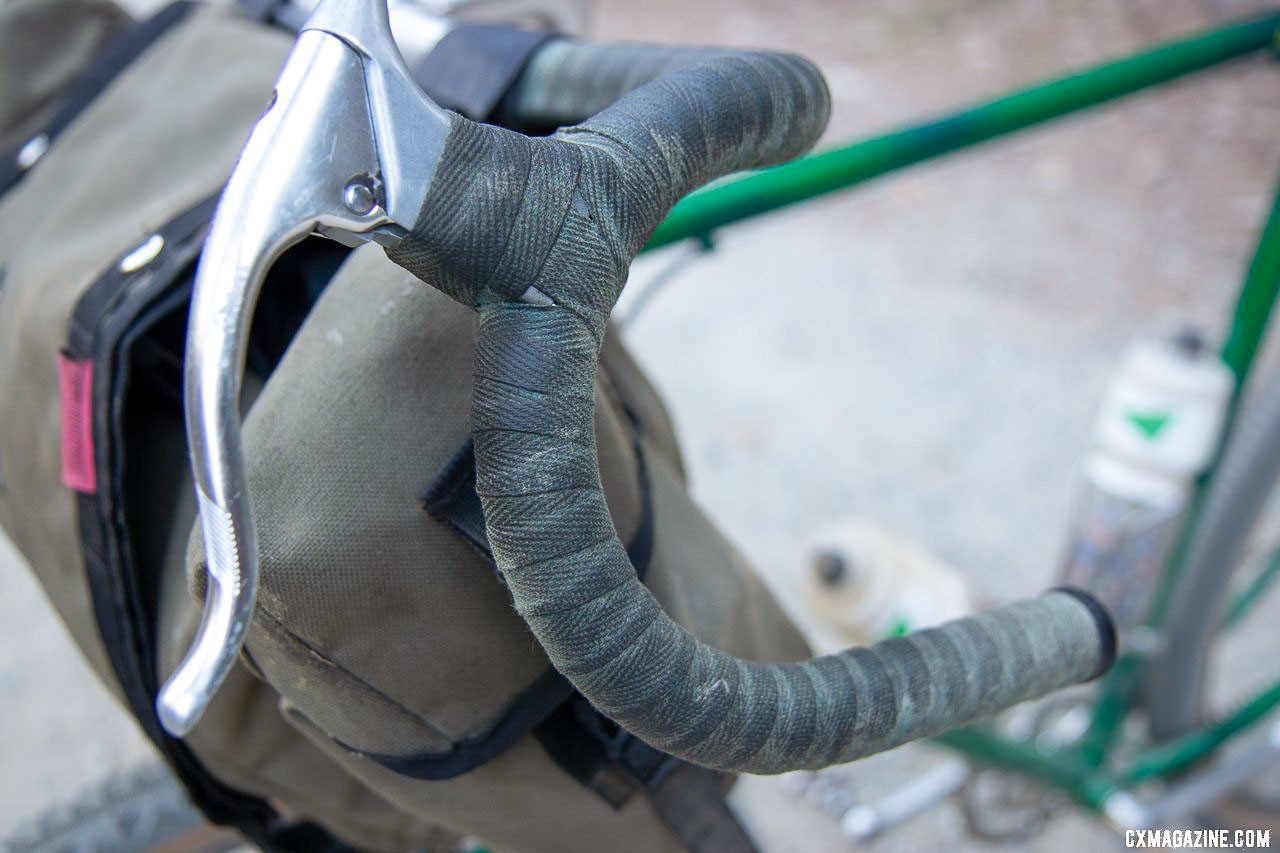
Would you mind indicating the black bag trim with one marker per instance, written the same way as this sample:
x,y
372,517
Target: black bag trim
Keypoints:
x,y
530,707
473,67
105,323
96,77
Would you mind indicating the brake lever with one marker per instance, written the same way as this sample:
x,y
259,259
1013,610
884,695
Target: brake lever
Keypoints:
x,y
345,149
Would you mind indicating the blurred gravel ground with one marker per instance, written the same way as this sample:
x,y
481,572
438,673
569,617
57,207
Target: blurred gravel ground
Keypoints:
x,y
926,350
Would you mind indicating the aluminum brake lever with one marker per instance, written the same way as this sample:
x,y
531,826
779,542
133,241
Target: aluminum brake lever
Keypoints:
x,y
346,149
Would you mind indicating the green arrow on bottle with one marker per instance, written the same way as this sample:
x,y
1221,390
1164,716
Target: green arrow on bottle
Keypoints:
x,y
1149,423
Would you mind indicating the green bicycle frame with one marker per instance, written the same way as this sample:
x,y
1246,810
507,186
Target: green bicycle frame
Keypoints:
x,y
1080,770
735,199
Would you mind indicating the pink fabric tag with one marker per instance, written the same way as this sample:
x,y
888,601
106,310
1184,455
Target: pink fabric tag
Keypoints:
x,y
75,384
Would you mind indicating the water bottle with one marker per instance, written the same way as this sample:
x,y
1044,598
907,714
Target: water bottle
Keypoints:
x,y
1157,429
863,583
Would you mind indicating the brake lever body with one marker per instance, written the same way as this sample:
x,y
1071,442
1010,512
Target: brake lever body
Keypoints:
x,y
346,149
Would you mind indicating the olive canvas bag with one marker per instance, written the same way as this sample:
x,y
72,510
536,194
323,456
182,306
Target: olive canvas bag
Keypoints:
x,y
389,696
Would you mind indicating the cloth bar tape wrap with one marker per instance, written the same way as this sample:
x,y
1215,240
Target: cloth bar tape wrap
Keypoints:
x,y
537,234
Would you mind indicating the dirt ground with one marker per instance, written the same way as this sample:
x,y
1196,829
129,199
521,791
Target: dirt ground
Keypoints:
x,y
926,350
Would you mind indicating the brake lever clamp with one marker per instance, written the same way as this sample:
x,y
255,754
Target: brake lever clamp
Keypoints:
x,y
346,149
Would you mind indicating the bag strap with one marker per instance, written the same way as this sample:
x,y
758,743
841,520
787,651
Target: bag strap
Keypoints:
x,y
99,74
615,764
475,65
113,59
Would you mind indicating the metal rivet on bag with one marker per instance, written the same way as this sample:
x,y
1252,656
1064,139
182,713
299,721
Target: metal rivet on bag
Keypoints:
x,y
144,254
31,152
358,196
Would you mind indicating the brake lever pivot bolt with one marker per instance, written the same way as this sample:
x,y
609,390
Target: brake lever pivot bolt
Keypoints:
x,y
358,196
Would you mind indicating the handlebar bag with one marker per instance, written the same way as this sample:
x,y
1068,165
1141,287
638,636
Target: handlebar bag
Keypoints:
x,y
389,696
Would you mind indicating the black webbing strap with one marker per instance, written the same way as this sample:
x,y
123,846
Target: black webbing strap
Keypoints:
x,y
451,499
97,75
475,65
615,764
690,801
593,750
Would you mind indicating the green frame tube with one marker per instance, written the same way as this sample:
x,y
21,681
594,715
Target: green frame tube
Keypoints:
x,y
701,212
1179,754
1248,325
1076,771
1063,771
1252,590
1257,298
